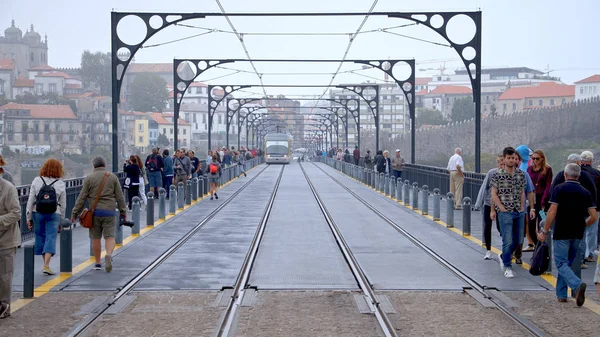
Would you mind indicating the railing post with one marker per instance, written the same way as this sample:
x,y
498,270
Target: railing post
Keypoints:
x,y
194,189
188,192
415,195
386,184
150,210
204,185
399,189
466,216
365,176
66,247
28,272
406,192
381,182
374,176
162,194
450,210
392,187
135,215
172,199
425,195
118,232
180,195
436,204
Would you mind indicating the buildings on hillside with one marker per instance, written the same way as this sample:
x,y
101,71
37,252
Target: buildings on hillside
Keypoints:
x,y
587,87
25,50
547,94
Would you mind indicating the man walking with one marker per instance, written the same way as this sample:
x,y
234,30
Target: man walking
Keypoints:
x,y
570,203
508,198
591,232
457,177
154,165
105,186
10,239
397,164
183,168
356,155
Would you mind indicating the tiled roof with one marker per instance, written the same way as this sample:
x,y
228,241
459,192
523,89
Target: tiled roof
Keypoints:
x,y
167,114
422,92
42,67
23,82
450,90
591,79
150,68
545,89
6,64
43,111
198,84
87,94
422,80
73,86
54,74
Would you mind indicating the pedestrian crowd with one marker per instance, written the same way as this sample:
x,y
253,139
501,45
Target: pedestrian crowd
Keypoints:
x,y
47,202
527,201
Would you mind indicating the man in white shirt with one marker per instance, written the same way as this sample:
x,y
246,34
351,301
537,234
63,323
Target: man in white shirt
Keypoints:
x,y
457,177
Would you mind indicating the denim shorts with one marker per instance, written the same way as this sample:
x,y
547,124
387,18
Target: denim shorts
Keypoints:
x,y
155,179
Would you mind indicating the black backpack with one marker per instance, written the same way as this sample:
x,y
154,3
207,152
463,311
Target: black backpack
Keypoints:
x,y
540,261
46,201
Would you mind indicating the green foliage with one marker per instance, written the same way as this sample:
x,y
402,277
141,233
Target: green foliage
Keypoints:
x,y
26,98
463,109
162,140
426,116
149,93
96,71
4,100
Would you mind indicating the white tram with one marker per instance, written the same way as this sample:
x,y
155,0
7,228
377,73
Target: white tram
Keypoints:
x,y
278,148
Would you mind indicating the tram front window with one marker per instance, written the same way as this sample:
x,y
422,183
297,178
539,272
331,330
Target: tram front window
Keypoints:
x,y
277,148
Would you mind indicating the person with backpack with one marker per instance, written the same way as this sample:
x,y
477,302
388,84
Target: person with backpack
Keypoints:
x,y
154,166
167,171
183,168
368,160
214,173
46,206
132,179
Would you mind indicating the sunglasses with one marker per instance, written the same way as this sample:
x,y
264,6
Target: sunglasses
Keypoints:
x,y
536,158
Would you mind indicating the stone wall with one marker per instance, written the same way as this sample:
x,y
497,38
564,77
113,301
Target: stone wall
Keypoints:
x,y
539,128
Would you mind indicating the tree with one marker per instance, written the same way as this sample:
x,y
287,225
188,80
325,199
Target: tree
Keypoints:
x,y
463,109
426,116
149,93
4,100
162,140
26,98
96,71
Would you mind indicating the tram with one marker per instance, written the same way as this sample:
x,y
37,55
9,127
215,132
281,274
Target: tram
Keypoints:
x,y
278,148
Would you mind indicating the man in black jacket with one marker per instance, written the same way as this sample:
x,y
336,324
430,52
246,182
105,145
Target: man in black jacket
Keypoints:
x,y
591,232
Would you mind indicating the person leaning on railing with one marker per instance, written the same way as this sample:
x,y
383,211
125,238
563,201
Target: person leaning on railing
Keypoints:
x,y
10,239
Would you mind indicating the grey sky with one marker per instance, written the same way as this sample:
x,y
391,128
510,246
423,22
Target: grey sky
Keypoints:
x,y
515,33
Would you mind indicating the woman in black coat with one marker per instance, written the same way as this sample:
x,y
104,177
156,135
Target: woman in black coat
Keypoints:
x,y
380,162
132,178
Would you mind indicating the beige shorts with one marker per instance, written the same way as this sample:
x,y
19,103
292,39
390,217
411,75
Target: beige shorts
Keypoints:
x,y
103,226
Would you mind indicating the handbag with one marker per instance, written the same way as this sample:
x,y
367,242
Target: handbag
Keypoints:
x,y
86,216
540,261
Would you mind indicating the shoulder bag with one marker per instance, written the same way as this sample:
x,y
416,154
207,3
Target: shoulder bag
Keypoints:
x,y
86,217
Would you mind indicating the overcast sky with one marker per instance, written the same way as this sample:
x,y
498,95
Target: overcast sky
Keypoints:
x,y
536,33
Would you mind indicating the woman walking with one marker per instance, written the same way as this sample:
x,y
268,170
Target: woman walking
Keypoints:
x,y
214,173
541,176
142,192
45,207
132,179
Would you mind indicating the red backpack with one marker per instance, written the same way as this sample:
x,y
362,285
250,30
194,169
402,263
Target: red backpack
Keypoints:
x,y
213,168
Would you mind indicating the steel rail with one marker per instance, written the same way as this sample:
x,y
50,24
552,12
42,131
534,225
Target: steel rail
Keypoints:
x,y
522,322
244,275
128,287
363,282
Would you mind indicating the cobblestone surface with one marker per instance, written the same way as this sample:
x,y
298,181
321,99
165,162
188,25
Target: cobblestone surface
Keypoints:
x,y
557,319
305,313
163,314
52,314
447,314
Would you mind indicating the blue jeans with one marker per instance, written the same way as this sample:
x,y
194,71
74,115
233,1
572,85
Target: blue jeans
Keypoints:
x,y
167,183
45,227
564,255
397,174
154,179
512,226
590,237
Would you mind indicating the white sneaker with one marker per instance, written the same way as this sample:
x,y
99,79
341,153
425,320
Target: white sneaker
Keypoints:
x,y
489,255
501,263
508,273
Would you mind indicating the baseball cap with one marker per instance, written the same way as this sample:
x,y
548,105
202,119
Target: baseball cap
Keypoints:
x,y
397,150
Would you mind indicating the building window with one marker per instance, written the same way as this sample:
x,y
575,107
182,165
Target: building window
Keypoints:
x,y
184,131
10,126
504,107
541,103
530,102
46,137
514,107
220,119
198,90
141,139
194,118
46,127
52,87
141,127
581,90
39,88
71,138
25,137
36,127
171,130
164,131
10,136
36,137
204,118
56,128
551,101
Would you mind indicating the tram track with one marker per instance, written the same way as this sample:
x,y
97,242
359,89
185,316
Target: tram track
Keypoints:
x,y
98,312
482,290
363,282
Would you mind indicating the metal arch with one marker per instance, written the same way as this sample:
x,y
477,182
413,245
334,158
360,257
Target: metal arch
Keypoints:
x,y
230,113
473,65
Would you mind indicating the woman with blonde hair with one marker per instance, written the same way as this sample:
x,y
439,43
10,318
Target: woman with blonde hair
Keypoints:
x,y
541,176
46,206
